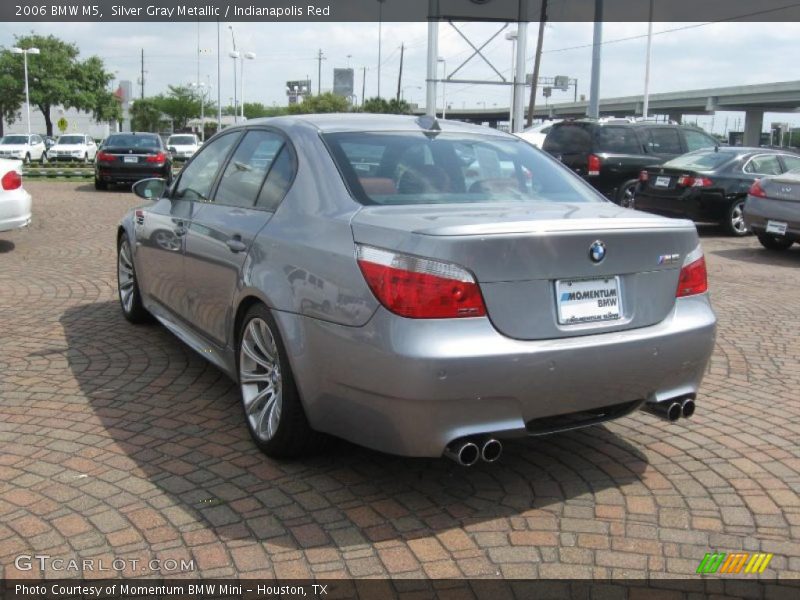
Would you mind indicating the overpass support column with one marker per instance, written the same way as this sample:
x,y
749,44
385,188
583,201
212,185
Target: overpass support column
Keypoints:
x,y
753,124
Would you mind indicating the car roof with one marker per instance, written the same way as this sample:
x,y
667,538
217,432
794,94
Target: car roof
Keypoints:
x,y
344,122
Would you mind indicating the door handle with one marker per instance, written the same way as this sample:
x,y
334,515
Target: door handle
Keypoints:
x,y
236,244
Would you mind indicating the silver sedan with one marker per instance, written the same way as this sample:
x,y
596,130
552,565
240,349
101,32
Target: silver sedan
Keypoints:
x,y
415,286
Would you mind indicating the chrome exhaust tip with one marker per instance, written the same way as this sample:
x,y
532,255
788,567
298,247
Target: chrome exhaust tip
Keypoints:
x,y
669,410
491,450
464,452
687,408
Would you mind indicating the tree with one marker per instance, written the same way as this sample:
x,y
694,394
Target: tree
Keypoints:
x,y
57,77
182,103
380,105
145,115
12,93
256,110
323,103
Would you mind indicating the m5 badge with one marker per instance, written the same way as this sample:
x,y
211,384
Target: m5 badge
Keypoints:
x,y
669,259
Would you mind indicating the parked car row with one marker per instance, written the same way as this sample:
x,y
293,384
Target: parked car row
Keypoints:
x,y
676,171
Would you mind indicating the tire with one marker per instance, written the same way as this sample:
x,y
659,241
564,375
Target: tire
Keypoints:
x,y
625,193
100,185
86,158
27,160
271,403
130,299
734,224
774,242
43,159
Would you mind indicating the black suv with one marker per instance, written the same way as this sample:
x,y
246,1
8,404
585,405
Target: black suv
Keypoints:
x,y
610,154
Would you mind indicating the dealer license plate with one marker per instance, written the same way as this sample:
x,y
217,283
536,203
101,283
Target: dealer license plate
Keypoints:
x,y
588,300
131,159
777,227
662,182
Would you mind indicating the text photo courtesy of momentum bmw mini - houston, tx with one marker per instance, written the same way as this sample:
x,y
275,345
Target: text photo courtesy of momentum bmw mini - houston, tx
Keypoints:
x,y
400,298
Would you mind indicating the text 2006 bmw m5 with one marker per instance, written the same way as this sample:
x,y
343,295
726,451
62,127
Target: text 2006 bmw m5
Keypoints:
x,y
416,286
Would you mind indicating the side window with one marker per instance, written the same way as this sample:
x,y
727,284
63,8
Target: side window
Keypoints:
x,y
766,164
791,162
198,176
242,179
663,140
617,140
278,180
696,140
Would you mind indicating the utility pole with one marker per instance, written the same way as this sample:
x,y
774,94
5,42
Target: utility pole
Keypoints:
x,y
142,77
320,58
646,104
536,62
597,42
219,83
363,84
400,74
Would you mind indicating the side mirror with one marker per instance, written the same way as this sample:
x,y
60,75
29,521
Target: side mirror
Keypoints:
x,y
150,189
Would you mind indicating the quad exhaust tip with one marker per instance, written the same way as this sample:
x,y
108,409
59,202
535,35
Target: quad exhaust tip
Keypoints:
x,y
468,451
687,408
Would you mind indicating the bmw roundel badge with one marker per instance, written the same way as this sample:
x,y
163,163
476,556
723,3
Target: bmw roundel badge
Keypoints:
x,y
597,251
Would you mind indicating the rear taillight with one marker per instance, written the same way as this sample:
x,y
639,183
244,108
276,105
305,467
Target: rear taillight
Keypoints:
x,y
644,176
156,158
593,167
756,190
420,288
11,181
690,181
104,157
693,278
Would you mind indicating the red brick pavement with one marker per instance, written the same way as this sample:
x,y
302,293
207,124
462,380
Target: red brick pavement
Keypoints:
x,y
117,441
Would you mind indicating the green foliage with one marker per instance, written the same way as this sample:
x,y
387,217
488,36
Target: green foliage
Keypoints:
x,y
256,110
58,77
323,103
182,103
146,115
12,90
381,105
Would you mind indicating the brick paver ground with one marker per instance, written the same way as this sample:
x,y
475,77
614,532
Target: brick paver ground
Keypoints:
x,y
118,441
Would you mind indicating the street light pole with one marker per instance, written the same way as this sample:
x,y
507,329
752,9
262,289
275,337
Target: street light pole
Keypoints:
x,y
25,53
646,104
444,87
234,55
248,56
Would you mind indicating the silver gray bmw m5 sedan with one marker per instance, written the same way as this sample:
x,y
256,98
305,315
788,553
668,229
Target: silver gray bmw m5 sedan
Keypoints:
x,y
415,286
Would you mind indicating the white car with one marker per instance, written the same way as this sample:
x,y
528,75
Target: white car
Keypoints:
x,y
183,145
535,135
15,202
73,146
23,147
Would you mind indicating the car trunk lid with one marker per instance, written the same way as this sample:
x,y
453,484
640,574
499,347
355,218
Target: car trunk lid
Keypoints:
x,y
525,258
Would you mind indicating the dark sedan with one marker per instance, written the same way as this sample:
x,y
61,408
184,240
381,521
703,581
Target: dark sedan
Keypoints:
x,y
772,210
711,185
129,157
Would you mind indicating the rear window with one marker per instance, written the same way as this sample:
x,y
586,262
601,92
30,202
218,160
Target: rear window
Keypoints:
x,y
133,141
701,160
569,139
415,168
617,140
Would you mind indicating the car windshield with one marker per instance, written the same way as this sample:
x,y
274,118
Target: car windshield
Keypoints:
x,y
702,160
132,141
72,139
182,140
14,139
424,168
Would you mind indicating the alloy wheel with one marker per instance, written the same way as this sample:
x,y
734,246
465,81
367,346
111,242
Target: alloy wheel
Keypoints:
x,y
126,279
260,379
737,219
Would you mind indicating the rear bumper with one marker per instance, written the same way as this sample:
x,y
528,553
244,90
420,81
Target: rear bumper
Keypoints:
x,y
410,387
130,175
15,210
704,206
757,211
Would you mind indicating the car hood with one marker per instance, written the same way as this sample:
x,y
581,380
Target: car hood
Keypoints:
x,y
68,147
13,147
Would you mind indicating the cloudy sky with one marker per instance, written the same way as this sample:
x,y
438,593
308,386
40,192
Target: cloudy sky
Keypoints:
x,y
685,56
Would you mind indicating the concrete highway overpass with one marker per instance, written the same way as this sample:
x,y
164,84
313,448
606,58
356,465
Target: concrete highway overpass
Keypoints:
x,y
753,100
